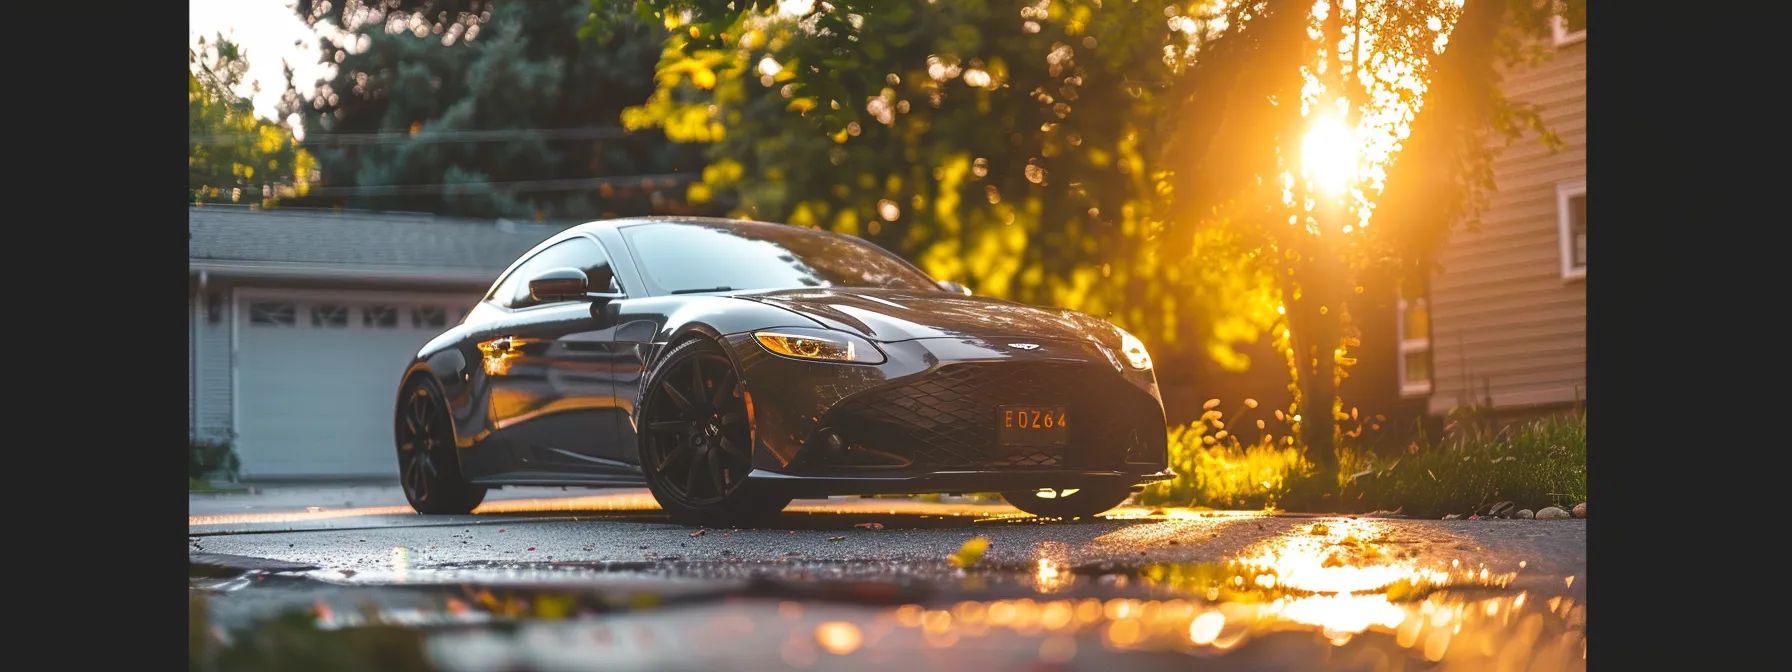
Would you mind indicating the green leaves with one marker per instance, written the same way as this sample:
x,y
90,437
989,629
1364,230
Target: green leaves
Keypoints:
x,y
233,156
549,79
1112,158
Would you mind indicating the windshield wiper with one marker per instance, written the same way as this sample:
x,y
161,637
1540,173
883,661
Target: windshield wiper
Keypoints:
x,y
701,291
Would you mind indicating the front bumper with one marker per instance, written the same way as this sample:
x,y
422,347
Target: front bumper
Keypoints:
x,y
928,414
946,482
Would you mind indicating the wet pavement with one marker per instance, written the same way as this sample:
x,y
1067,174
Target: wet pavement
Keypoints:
x,y
604,582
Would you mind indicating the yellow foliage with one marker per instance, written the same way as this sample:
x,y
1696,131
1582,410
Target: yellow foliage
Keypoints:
x,y
968,554
802,215
698,193
723,172
846,222
1222,472
952,173
704,78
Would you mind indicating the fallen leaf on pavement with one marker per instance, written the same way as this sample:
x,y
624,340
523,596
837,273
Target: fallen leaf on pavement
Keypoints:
x,y
836,538
868,526
969,553
699,533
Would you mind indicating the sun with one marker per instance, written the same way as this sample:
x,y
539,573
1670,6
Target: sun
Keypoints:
x,y
1329,154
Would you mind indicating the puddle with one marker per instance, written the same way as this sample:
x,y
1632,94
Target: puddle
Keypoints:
x,y
1336,594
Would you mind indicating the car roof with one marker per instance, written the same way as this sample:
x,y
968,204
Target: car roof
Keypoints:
x,y
691,220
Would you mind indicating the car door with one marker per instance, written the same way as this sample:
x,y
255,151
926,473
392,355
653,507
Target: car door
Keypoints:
x,y
549,372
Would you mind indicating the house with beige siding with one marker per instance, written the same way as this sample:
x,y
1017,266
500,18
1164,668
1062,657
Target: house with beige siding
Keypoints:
x,y
1505,318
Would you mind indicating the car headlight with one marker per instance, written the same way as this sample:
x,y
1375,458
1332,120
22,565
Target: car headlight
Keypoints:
x,y
1134,351
818,344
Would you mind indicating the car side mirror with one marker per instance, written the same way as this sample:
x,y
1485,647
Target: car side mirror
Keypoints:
x,y
954,287
559,284
568,284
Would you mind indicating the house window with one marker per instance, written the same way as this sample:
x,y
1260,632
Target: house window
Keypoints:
x,y
379,317
331,316
1415,347
1571,218
271,314
429,317
1570,25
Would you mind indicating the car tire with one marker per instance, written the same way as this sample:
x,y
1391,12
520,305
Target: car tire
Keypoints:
x,y
1085,502
695,440
428,465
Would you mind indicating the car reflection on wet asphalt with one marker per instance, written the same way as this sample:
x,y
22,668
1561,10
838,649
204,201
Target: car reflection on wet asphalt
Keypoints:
x,y
1220,591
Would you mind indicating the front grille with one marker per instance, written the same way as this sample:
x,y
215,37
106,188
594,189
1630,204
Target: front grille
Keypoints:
x,y
948,419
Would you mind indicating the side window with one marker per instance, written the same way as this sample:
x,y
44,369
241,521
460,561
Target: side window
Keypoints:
x,y
1571,218
1569,24
581,253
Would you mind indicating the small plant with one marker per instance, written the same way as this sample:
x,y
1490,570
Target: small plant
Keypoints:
x,y
293,640
209,458
1219,470
1473,465
1532,464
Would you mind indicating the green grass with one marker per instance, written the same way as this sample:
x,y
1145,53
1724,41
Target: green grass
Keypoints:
x,y
1225,474
1533,464
202,485
293,641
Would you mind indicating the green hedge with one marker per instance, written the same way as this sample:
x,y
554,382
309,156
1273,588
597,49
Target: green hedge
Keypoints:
x,y
209,458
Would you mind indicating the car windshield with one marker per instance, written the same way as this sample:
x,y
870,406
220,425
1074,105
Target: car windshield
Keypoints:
x,y
684,258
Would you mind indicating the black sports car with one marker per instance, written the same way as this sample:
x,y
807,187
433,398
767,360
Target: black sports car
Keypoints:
x,y
731,366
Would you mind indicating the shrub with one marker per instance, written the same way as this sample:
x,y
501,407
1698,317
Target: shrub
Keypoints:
x,y
211,458
1532,464
1218,470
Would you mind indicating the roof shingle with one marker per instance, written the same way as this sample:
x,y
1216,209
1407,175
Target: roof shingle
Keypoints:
x,y
363,239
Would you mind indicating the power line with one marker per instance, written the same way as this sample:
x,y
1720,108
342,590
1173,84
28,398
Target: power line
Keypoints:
x,y
589,133
574,184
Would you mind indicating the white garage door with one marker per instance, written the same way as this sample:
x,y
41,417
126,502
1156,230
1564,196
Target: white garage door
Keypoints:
x,y
317,376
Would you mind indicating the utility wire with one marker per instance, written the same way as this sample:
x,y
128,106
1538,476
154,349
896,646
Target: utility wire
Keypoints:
x,y
574,184
591,133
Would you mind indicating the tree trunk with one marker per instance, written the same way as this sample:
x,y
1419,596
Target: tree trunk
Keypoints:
x,y
1316,334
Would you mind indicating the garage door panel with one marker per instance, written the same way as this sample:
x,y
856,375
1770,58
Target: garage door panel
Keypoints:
x,y
317,377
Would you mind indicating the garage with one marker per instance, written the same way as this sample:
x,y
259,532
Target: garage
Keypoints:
x,y
316,375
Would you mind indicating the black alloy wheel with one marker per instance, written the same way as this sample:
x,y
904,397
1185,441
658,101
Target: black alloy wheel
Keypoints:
x,y
1069,503
428,468
696,447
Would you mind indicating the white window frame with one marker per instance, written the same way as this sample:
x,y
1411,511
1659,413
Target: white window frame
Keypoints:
x,y
1559,25
1410,388
1565,227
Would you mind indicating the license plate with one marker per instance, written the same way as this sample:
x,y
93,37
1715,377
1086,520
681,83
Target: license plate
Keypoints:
x,y
1033,425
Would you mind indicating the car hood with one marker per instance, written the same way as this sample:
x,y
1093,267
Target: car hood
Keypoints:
x,y
887,315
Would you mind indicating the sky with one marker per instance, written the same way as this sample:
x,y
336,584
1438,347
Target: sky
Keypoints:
x,y
266,30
